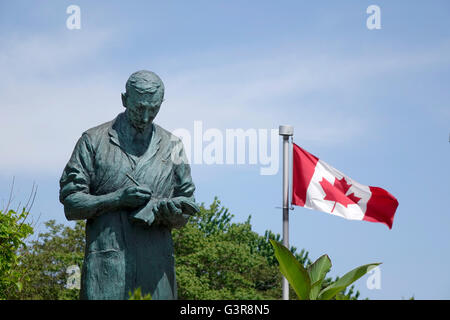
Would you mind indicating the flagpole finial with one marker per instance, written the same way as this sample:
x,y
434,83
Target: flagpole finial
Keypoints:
x,y
286,130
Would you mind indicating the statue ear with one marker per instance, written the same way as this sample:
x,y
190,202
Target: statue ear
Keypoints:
x,y
124,100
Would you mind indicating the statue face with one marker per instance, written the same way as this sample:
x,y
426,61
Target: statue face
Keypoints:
x,y
142,108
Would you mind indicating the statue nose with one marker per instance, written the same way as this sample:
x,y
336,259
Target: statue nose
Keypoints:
x,y
146,117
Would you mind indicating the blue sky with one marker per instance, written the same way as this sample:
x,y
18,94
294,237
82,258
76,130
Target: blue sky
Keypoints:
x,y
372,103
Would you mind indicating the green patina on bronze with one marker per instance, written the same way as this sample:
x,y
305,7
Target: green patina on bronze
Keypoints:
x,y
130,179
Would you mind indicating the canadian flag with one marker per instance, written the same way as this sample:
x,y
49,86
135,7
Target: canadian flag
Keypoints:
x,y
317,185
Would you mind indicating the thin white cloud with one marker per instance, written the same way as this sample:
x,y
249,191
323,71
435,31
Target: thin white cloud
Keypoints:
x,y
44,111
32,56
253,92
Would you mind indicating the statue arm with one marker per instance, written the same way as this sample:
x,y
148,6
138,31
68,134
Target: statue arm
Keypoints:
x,y
74,194
184,186
80,206
183,190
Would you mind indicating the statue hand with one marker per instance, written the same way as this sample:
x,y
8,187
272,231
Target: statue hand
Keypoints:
x,y
170,212
169,207
134,196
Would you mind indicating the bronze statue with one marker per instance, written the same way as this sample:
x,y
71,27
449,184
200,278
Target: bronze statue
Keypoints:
x,y
130,179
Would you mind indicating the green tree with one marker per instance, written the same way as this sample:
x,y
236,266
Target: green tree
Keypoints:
x,y
13,231
215,259
221,265
219,259
47,259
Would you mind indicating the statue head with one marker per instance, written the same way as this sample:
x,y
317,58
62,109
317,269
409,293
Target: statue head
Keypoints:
x,y
143,98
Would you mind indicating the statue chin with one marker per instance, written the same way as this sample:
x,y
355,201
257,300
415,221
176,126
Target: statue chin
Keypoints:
x,y
142,128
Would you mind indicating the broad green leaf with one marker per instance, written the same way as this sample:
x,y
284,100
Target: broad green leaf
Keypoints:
x,y
340,296
317,272
350,277
294,272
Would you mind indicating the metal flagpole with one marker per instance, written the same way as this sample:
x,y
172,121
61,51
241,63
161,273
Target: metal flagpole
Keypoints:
x,y
285,131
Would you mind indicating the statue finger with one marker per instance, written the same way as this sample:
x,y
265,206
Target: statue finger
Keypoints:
x,y
163,207
140,195
176,202
143,190
173,208
131,191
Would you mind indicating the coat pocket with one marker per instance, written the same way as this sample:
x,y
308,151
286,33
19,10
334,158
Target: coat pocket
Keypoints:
x,y
104,275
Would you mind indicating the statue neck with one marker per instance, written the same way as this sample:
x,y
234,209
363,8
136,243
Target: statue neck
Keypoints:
x,y
134,141
136,134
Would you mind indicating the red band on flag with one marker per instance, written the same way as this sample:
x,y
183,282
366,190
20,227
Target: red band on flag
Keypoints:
x,y
304,164
381,207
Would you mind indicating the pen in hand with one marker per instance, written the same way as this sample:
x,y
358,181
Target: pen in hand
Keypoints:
x,y
132,179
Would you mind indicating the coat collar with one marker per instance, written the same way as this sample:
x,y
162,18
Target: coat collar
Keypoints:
x,y
154,143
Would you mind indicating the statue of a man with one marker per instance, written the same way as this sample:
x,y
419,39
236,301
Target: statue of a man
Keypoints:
x,y
130,179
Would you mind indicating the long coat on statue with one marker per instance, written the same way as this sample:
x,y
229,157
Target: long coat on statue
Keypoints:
x,y
127,249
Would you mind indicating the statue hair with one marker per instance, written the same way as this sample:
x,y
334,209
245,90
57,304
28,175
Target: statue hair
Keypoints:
x,y
145,82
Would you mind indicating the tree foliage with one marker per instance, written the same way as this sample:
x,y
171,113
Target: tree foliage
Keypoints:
x,y
137,295
47,259
219,259
13,231
216,258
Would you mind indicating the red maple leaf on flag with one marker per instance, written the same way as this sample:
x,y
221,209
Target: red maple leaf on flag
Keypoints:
x,y
336,192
